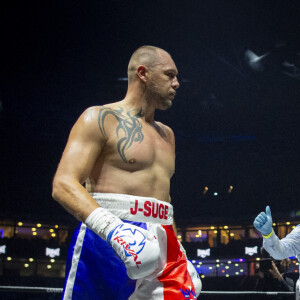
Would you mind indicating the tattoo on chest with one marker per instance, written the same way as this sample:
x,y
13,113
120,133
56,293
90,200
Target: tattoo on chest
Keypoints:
x,y
128,131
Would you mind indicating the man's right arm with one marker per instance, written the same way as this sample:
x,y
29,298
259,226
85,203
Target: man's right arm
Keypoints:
x,y
83,148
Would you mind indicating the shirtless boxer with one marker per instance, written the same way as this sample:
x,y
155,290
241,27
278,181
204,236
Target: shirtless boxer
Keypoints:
x,y
125,247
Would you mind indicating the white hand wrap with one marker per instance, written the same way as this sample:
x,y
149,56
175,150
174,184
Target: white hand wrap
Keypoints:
x,y
136,247
101,221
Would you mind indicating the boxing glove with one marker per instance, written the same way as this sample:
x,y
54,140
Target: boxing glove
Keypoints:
x,y
135,246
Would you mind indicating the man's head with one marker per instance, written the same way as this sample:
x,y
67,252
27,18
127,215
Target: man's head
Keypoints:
x,y
156,71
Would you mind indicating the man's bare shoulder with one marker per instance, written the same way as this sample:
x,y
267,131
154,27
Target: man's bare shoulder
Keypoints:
x,y
93,113
168,131
100,119
165,128
88,121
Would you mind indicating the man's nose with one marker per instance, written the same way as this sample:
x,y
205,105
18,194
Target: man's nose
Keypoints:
x,y
175,83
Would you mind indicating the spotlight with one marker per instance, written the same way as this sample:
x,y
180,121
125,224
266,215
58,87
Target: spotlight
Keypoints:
x,y
255,62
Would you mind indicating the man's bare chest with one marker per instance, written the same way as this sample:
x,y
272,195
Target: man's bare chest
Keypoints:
x,y
133,143
149,151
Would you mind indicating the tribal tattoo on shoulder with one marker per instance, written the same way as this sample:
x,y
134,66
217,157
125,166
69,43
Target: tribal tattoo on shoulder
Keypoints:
x,y
129,125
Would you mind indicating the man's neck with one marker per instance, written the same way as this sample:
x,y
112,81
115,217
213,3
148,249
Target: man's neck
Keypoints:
x,y
138,101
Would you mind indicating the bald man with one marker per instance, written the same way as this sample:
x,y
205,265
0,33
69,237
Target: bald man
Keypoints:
x,y
114,177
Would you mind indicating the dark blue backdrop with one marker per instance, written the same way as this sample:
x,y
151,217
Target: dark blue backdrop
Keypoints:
x,y
233,125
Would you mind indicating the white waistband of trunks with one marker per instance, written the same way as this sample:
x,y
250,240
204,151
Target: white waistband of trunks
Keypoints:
x,y
136,208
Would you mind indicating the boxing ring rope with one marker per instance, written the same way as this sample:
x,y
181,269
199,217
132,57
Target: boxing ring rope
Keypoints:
x,y
247,293
28,289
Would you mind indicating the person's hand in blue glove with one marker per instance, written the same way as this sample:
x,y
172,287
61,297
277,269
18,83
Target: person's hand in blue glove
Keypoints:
x,y
263,222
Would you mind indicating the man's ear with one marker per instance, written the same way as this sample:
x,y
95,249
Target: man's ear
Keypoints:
x,y
142,72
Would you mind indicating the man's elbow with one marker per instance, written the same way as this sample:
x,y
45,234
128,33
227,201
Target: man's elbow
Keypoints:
x,y
58,188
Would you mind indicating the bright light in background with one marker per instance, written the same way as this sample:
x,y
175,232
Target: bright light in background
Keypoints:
x,y
251,250
255,62
52,252
3,249
20,224
215,194
203,252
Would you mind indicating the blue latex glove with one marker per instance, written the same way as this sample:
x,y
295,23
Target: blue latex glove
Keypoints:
x,y
263,222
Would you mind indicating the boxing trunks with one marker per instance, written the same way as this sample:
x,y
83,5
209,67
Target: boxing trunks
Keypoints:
x,y
95,272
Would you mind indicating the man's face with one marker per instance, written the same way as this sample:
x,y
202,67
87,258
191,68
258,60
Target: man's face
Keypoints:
x,y
163,83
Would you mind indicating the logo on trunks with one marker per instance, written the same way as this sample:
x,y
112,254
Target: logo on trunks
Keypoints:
x,y
132,240
188,293
156,210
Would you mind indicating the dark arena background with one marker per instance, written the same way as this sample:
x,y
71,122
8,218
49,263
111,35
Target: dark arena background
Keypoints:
x,y
235,119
